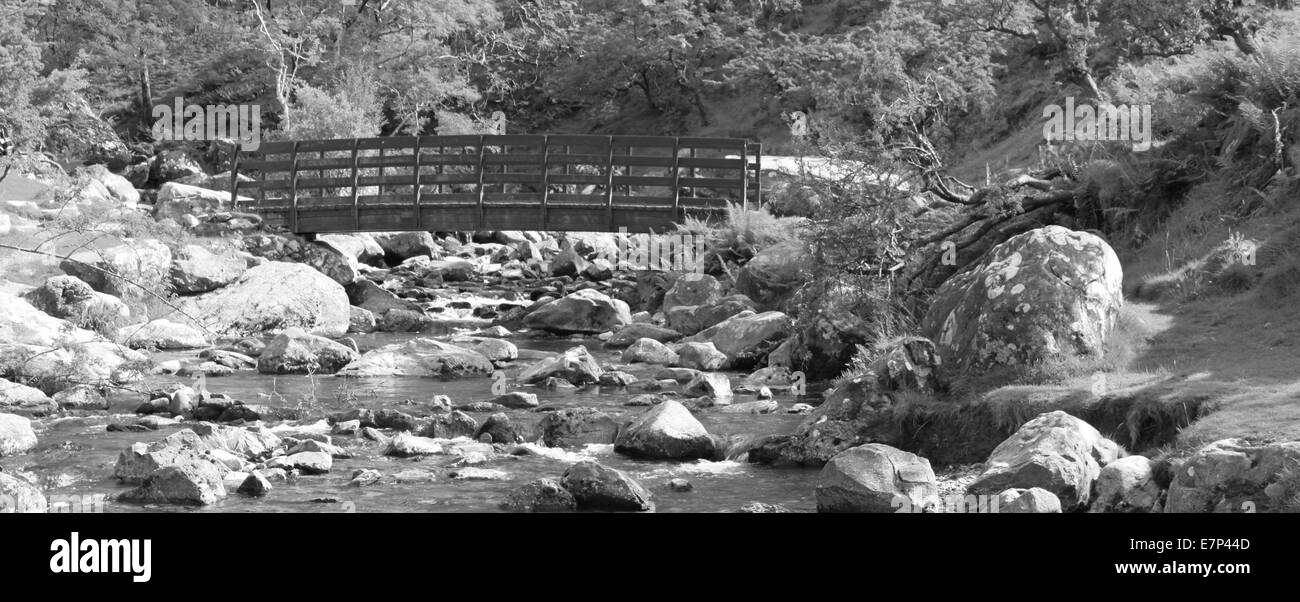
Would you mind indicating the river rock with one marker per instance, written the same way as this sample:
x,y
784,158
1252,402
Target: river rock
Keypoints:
x,y
714,384
690,319
177,200
20,497
400,246
145,262
542,495
1055,451
1232,475
361,321
517,400
255,485
575,427
1035,500
636,331
575,365
761,406
450,426
666,431
195,269
876,478
421,358
597,487
775,273
700,356
311,463
199,483
377,299
69,297
1047,293
746,339
500,429
272,297
1127,485
360,247
294,351
81,397
692,289
162,334
650,351
16,435
22,323
15,397
584,312
495,350
250,443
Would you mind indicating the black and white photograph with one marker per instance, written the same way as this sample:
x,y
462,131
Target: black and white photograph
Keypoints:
x,y
287,277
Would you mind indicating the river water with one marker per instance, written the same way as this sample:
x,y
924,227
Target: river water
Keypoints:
x,y
76,456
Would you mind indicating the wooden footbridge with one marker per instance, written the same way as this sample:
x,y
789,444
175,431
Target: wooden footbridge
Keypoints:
x,y
496,182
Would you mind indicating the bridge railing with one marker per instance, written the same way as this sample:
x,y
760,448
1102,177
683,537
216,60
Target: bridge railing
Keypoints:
x,y
497,182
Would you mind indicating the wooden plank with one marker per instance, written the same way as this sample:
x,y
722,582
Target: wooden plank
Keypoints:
x,y
713,163
546,181
581,159
264,165
327,163
580,140
609,186
652,141
415,181
481,150
514,139
717,183
312,183
643,161
744,178
274,148
511,159
644,180
387,160
440,160
513,178
316,146
714,143
389,142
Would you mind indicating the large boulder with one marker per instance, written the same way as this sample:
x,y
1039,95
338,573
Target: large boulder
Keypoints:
x,y
400,246
20,497
667,431
71,298
16,397
1234,476
162,334
632,333
198,483
120,189
22,323
597,487
272,297
693,289
177,200
137,462
368,295
575,365
55,368
1034,500
542,495
1054,451
1044,294
419,357
294,351
575,427
117,270
16,435
746,338
497,350
650,351
196,270
1127,485
876,478
775,273
700,356
690,319
361,247
587,312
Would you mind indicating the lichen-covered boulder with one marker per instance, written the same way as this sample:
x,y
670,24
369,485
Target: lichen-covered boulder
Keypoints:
x,y
773,275
584,312
1234,476
294,351
272,297
1047,293
876,478
746,338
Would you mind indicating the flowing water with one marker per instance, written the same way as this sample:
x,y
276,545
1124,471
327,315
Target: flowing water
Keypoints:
x,y
76,456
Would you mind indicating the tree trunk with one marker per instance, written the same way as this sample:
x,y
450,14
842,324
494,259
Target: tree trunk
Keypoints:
x,y
146,95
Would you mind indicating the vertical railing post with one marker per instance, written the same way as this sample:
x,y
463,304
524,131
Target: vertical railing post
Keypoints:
x,y
744,175
482,216
415,179
546,179
356,181
293,190
234,178
758,175
382,154
609,187
677,178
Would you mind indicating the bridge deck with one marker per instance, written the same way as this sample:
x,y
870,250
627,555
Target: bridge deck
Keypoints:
x,y
505,182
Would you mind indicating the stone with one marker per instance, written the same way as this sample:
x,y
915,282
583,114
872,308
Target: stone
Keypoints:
x,y
876,478
1035,500
690,319
700,356
495,350
195,269
15,397
773,275
377,299
191,483
271,298
81,397
542,495
617,379
146,262
575,427
692,289
665,431
627,335
311,463
450,426
746,339
16,435
419,358
1127,485
400,246
763,508
764,406
584,312
405,445
499,428
295,351
575,365
649,351
597,487
361,321
713,384
1054,451
255,485
163,335
1232,475
517,400
70,298
1048,293
20,497
680,485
